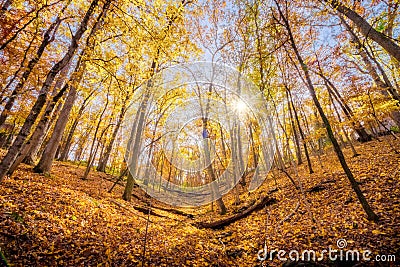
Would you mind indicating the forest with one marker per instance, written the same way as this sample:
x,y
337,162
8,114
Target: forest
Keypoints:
x,y
199,133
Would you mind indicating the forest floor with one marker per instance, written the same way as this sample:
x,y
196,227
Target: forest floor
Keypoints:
x,y
61,220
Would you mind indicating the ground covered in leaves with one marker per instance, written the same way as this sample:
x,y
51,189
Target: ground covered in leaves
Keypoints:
x,y
61,220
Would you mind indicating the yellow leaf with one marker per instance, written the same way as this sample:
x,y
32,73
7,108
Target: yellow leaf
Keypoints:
x,y
377,232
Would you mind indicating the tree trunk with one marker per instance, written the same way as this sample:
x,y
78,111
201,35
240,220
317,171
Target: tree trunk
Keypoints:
x,y
366,29
137,130
93,148
80,70
20,68
370,213
5,7
296,137
135,140
68,142
45,162
358,128
81,144
303,138
355,154
38,134
41,132
265,201
392,14
103,162
49,115
211,172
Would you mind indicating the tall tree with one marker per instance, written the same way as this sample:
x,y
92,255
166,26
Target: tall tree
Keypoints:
x,y
367,208
137,130
105,157
13,151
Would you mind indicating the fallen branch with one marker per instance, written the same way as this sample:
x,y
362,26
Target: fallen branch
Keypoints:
x,y
319,187
146,211
291,214
140,209
273,190
316,188
266,201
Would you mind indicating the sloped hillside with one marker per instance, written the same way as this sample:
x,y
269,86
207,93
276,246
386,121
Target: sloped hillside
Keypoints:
x,y
61,220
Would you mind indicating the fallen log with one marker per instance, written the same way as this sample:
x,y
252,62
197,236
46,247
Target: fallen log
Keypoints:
x,y
266,201
146,200
174,211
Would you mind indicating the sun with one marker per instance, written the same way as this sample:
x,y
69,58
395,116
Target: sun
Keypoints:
x,y
240,106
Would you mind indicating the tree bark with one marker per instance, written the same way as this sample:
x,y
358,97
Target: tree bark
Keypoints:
x,y
20,68
355,154
358,128
385,85
136,133
392,12
50,150
296,137
80,70
81,143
